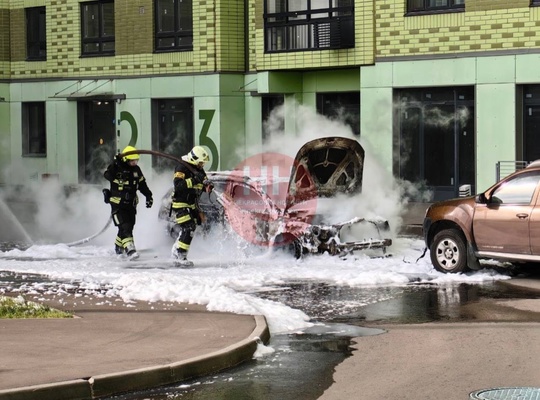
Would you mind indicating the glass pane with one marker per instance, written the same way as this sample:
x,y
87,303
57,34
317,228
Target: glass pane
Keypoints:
x,y
439,145
108,47
415,5
409,157
91,48
275,6
297,5
90,21
108,19
185,20
36,128
342,3
185,41
298,37
317,4
276,38
166,43
517,191
36,33
165,16
437,3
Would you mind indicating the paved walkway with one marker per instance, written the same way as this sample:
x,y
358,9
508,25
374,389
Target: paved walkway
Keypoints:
x,y
448,360
107,350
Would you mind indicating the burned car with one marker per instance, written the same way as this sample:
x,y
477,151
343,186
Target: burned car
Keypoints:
x,y
280,211
501,224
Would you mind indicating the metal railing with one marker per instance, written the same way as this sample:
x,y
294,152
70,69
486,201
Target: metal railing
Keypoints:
x,y
505,168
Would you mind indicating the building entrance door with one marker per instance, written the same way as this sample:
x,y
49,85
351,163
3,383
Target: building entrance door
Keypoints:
x,y
97,140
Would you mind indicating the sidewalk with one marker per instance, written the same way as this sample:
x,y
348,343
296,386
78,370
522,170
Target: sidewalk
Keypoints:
x,y
108,350
449,361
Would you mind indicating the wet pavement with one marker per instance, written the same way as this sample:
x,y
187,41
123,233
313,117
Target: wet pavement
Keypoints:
x,y
301,365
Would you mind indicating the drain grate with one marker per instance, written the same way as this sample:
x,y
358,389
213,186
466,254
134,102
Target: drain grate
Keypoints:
x,y
511,393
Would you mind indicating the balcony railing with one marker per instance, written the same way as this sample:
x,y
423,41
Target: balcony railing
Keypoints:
x,y
505,168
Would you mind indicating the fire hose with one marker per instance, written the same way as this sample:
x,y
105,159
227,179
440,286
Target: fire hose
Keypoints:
x,y
127,153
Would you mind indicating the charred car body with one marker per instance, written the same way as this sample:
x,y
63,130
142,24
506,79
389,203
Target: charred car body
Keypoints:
x,y
502,223
322,168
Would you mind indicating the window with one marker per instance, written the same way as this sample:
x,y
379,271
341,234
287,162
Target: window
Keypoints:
x,y
174,25
435,5
272,120
519,190
97,24
34,140
36,34
308,25
344,107
172,130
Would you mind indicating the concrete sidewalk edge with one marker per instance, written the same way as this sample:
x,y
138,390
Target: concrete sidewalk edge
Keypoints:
x,y
146,378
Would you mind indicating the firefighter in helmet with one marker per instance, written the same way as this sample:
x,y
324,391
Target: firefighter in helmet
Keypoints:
x,y
125,178
189,182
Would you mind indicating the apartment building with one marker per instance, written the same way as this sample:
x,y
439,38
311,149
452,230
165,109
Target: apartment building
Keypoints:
x,y
442,91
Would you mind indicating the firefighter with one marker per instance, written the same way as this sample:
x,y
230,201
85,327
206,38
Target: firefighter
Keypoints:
x,y
189,182
126,178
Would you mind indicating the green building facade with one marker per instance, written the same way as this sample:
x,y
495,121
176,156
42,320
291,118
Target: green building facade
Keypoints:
x,y
442,94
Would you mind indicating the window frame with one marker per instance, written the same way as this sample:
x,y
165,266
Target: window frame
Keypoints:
x,y
426,8
34,128
102,39
36,41
180,33
284,25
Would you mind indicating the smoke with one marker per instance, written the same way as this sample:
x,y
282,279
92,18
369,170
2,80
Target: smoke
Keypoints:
x,y
51,212
67,215
381,196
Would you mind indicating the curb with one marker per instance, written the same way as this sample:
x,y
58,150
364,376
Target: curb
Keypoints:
x,y
146,378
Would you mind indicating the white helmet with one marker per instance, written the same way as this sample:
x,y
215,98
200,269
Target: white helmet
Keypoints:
x,y
197,155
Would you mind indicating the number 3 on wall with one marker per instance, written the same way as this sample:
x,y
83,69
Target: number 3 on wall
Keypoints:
x,y
204,140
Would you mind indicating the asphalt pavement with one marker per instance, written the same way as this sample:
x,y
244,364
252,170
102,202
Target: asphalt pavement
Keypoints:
x,y
496,352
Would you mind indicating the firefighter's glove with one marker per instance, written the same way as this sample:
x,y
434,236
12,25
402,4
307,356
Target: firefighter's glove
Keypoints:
x,y
149,202
106,196
208,185
198,177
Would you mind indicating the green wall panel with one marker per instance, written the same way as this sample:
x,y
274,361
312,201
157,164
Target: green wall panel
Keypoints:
x,y
495,130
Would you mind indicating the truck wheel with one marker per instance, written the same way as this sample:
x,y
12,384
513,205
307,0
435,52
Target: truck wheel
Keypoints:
x,y
449,252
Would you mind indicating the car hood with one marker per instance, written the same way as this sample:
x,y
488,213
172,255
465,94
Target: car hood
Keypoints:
x,y
324,168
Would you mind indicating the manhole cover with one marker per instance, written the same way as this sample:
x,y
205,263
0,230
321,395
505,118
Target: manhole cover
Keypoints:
x,y
512,393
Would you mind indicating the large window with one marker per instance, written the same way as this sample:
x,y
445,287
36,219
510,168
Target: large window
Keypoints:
x,y
435,5
34,140
174,25
296,25
172,133
434,142
36,34
97,25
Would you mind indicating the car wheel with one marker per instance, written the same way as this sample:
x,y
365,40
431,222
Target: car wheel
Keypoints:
x,y
449,252
289,244
295,247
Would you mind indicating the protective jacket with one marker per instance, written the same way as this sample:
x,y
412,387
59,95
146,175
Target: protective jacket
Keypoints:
x,y
188,186
125,181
